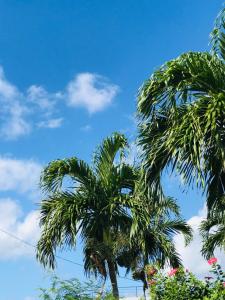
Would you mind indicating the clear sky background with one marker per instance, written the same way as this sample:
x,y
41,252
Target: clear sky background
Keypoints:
x,y
70,72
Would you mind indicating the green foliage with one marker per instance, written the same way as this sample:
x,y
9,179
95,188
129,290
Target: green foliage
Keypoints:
x,y
182,126
213,231
183,285
73,289
111,210
95,206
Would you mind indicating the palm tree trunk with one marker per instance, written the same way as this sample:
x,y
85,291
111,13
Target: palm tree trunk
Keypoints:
x,y
113,279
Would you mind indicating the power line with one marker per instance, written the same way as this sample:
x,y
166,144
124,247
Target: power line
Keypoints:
x,y
30,245
59,257
17,238
124,277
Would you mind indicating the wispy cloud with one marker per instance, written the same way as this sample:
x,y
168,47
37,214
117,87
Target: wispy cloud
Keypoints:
x,y
40,97
12,110
7,90
14,123
86,128
51,123
21,112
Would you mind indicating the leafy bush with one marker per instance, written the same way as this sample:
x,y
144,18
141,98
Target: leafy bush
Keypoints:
x,y
73,290
181,284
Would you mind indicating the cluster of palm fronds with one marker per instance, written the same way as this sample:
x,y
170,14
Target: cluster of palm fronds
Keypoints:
x,y
182,127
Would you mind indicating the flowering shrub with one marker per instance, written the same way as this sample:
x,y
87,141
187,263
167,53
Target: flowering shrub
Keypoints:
x,y
180,284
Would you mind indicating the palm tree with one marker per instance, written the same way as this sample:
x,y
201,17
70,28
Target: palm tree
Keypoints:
x,y
155,222
107,208
86,209
182,120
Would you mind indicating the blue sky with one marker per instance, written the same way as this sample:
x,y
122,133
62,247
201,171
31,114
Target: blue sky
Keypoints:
x,y
70,71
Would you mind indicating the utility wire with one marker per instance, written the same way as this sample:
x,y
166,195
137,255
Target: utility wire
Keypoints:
x,y
59,257
124,277
30,245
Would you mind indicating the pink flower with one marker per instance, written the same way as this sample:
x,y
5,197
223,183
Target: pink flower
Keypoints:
x,y
151,271
151,282
212,261
172,272
224,284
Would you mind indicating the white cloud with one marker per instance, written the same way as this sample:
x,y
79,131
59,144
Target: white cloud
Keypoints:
x,y
15,124
19,175
51,123
191,255
43,99
91,91
39,96
12,222
12,111
21,112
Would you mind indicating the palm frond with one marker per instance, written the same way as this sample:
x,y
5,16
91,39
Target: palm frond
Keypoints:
x,y
213,232
106,153
60,217
53,175
176,83
218,36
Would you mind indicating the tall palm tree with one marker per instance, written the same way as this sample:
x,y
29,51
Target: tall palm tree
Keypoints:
x,y
86,208
107,209
182,120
